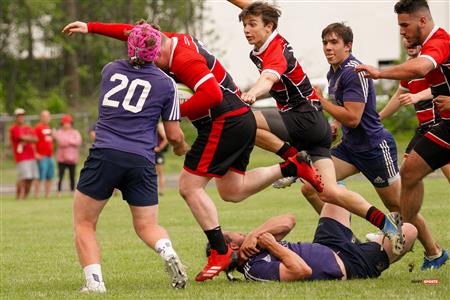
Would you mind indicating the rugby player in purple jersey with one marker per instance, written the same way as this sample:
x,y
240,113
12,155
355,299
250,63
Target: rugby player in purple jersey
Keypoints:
x,y
134,94
265,256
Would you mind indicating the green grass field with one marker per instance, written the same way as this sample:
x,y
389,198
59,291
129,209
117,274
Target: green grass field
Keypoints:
x,y
39,261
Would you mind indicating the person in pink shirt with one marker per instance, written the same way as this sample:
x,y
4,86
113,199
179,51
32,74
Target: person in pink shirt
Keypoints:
x,y
68,151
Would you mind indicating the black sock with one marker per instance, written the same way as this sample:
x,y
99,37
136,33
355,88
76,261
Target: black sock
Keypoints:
x,y
216,240
286,151
376,217
288,169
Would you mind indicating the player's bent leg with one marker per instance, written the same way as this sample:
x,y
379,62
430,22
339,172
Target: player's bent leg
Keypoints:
x,y
412,171
145,222
313,197
86,211
446,171
390,195
235,187
336,213
191,188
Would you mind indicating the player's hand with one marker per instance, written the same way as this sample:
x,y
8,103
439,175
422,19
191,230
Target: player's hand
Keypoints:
x,y
319,92
368,71
38,156
75,27
408,98
335,125
442,103
181,149
248,98
265,240
248,247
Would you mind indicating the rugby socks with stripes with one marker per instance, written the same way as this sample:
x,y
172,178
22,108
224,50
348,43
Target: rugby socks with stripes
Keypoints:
x,y
287,151
93,272
216,240
376,217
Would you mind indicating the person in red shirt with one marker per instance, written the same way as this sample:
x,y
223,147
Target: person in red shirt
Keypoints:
x,y
226,133
22,139
432,151
44,153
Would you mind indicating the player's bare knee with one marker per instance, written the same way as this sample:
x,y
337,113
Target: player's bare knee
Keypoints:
x,y
231,197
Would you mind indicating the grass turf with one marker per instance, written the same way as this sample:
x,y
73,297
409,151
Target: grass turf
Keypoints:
x,y
39,261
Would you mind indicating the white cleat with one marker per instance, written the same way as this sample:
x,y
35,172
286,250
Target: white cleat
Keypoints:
x,y
93,286
176,272
284,182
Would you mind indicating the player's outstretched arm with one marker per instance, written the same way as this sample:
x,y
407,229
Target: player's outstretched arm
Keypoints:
x,y
113,30
241,3
175,137
292,266
261,87
408,98
411,69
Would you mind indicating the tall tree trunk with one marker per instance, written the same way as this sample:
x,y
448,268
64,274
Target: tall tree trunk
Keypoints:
x,y
71,61
28,21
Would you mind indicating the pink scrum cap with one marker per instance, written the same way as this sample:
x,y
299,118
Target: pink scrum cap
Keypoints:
x,y
137,47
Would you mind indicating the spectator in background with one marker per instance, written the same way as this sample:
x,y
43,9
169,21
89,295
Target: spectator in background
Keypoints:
x,y
22,139
68,140
163,146
44,154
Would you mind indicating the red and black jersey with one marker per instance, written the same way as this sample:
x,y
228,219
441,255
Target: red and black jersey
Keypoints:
x,y
187,64
293,88
426,111
437,49
192,64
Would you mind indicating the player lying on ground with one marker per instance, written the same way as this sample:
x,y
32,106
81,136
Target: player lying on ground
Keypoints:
x,y
263,255
226,132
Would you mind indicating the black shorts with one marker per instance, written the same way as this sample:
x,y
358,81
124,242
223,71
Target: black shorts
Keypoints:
x,y
107,169
222,144
434,146
418,134
307,130
365,260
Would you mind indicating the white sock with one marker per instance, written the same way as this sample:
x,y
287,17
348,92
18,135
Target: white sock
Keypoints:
x,y
164,248
93,272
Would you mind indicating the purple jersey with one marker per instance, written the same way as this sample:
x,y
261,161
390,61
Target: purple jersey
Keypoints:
x,y
345,85
130,104
321,259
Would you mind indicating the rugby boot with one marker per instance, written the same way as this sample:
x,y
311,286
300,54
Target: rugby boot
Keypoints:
x,y
306,171
216,264
435,262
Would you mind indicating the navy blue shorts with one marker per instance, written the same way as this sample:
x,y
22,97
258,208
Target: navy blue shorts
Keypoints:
x,y
379,164
365,260
107,169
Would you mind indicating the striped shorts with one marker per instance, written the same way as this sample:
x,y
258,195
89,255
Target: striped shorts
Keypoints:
x,y
379,164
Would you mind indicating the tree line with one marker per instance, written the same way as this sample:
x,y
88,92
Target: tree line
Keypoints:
x,y
42,68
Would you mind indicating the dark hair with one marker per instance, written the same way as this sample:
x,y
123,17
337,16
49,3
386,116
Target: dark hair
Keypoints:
x,y
410,6
268,13
341,30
